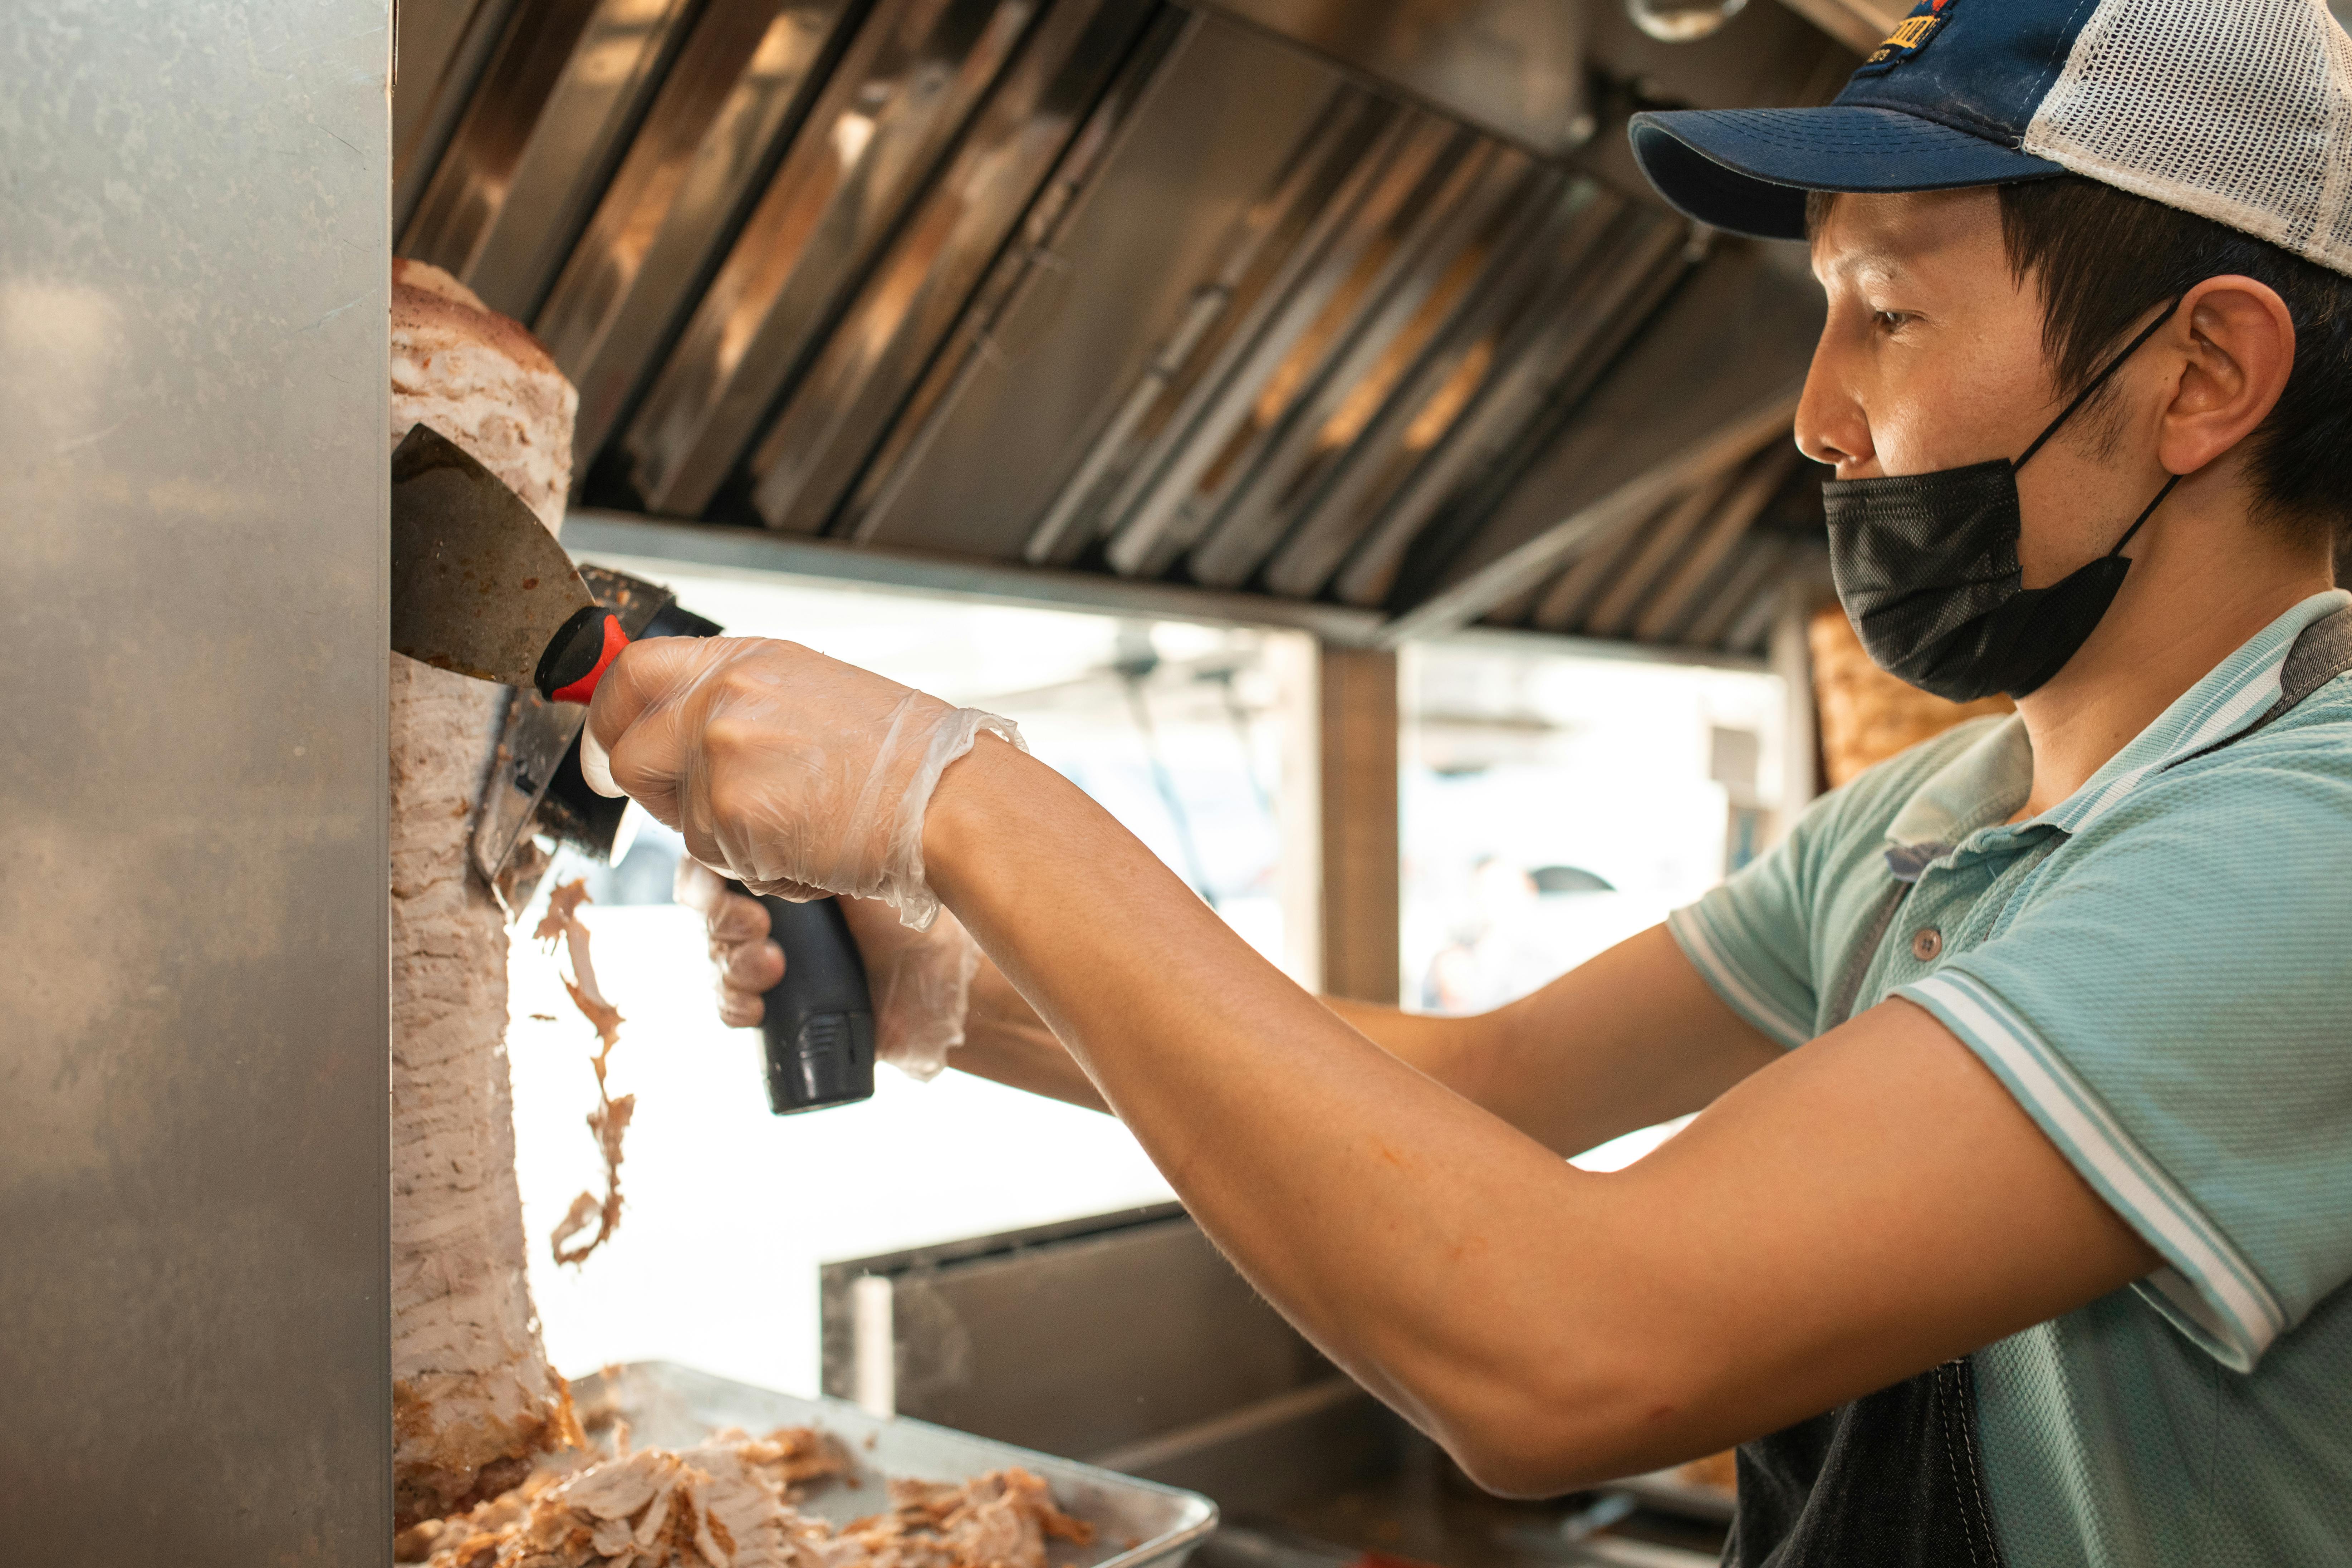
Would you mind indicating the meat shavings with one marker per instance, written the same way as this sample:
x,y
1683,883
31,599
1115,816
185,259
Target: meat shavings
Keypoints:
x,y
730,1504
1002,1519
609,1122
538,1522
797,1458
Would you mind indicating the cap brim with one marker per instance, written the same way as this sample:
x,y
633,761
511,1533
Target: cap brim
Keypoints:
x,y
1746,171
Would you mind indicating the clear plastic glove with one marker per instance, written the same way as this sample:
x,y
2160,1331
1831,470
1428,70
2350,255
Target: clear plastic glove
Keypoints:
x,y
793,773
921,980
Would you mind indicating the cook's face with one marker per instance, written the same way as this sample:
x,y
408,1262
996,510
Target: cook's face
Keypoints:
x,y
1931,356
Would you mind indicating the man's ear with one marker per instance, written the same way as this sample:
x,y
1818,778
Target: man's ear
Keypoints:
x,y
2239,340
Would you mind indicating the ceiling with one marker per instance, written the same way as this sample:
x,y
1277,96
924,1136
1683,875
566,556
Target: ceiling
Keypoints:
x,y
1359,308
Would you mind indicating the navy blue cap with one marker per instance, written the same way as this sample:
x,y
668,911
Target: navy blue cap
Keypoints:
x,y
1945,102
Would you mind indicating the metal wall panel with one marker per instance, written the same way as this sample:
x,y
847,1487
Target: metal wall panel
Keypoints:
x,y
1622,260
194,1019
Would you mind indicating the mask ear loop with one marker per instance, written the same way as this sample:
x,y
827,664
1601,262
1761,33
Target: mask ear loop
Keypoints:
x,y
2144,516
2093,384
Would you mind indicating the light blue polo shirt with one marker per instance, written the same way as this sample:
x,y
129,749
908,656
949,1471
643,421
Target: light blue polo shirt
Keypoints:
x,y
2159,968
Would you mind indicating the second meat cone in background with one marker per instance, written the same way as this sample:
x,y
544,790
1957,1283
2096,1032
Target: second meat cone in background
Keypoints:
x,y
1866,714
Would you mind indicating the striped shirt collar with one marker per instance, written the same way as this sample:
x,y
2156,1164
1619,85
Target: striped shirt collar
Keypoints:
x,y
1970,796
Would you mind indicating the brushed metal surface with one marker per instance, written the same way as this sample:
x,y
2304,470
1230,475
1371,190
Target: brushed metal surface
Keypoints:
x,y
842,405
912,79
741,79
1444,258
530,156
1029,271
1701,387
1515,67
439,49
1257,204
194,1112
1291,310
1661,545
1754,573
1347,258
1701,565
1436,418
1606,549
1615,268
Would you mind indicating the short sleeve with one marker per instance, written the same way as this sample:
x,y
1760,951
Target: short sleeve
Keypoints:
x,y
1750,937
2167,1003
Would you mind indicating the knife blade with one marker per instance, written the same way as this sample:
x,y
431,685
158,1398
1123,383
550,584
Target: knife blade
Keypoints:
x,y
480,587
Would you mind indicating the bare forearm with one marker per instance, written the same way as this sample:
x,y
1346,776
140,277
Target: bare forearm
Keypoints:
x,y
1006,1042
1372,1206
1446,1049
1552,1328
1631,1038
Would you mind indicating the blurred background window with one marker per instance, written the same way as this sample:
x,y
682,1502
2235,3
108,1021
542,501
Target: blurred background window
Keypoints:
x,y
1554,804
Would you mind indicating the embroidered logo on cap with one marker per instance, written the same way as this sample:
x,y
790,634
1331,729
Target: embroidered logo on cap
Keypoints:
x,y
1912,34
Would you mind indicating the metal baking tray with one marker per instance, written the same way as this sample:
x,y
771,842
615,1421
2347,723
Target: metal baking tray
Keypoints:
x,y
1137,1522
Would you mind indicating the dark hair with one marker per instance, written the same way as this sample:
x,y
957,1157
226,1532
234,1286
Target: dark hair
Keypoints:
x,y
2106,258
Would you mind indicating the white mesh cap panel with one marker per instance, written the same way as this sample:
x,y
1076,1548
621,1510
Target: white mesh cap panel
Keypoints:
x,y
2237,110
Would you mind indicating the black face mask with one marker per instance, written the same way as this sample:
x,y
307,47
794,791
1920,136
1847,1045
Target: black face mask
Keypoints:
x,y
1926,565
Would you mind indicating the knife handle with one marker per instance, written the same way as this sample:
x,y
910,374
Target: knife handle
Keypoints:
x,y
818,1023
579,654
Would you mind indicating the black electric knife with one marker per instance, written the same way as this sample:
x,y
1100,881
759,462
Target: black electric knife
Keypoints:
x,y
818,1023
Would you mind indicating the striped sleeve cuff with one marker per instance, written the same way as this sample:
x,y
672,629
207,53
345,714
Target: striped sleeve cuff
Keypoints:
x,y
2208,1289
1710,954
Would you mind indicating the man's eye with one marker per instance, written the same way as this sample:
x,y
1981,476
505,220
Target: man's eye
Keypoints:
x,y
1890,320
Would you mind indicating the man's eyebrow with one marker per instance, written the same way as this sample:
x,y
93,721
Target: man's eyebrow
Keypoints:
x,y
1876,262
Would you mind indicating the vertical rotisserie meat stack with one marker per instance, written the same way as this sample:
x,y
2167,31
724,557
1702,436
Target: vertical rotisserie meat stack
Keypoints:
x,y
473,1396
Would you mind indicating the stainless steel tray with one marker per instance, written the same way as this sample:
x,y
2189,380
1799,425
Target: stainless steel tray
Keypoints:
x,y
1136,1522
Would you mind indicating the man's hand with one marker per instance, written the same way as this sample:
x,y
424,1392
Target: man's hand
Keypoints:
x,y
920,980
797,773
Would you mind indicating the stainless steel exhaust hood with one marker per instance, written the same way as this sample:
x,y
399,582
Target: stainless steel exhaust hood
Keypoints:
x,y
1359,306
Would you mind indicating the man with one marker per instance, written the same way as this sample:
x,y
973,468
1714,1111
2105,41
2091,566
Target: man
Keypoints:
x,y
2052,1214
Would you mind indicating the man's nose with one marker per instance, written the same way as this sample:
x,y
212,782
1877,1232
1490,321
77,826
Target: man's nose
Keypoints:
x,y
1831,426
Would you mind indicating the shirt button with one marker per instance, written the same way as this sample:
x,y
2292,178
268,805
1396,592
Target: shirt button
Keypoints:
x,y
1926,944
